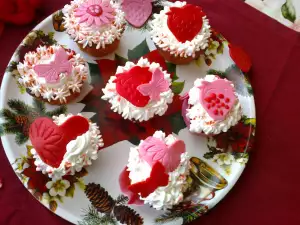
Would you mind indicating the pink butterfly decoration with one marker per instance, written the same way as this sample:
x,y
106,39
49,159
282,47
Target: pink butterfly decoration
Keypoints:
x,y
157,85
51,71
153,149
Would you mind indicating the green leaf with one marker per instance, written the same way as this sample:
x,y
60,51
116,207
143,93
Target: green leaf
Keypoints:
x,y
288,11
1,130
227,169
12,66
139,51
28,147
22,89
177,87
70,191
120,60
220,49
40,33
216,72
80,184
209,155
51,35
198,61
172,69
53,206
251,121
177,122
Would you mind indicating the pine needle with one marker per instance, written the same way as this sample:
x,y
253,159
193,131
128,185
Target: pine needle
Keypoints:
x,y
8,115
39,106
57,112
21,138
19,106
92,217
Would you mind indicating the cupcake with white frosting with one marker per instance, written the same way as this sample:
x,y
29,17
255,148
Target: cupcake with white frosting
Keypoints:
x,y
95,25
181,32
211,106
139,91
156,172
53,74
64,145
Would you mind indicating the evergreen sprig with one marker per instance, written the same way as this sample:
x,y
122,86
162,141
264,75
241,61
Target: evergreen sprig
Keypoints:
x,y
56,112
93,217
121,200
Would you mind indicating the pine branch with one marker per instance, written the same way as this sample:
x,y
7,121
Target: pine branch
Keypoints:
x,y
39,106
57,112
168,217
121,200
21,138
8,115
92,217
1,130
11,128
19,106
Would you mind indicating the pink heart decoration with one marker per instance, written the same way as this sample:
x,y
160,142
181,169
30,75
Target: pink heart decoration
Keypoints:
x,y
50,140
153,149
137,12
217,98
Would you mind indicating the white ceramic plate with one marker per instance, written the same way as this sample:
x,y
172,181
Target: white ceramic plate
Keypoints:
x,y
220,167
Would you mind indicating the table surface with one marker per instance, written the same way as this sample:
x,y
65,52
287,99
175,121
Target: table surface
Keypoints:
x,y
267,191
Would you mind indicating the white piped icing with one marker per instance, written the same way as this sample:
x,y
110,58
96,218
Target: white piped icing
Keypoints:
x,y
128,110
163,198
165,39
38,85
93,35
200,121
80,152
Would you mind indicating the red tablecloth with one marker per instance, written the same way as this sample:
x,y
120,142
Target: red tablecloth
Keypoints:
x,y
267,191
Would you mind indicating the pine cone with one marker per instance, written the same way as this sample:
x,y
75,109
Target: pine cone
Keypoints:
x,y
21,120
99,198
128,216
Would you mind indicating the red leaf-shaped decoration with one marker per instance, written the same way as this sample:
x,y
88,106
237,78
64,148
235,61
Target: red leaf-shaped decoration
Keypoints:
x,y
158,178
153,150
240,57
50,140
124,182
137,12
185,22
127,83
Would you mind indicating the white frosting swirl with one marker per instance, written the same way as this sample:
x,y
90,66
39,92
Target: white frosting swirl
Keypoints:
x,y
165,39
128,110
89,35
80,152
163,198
200,121
38,85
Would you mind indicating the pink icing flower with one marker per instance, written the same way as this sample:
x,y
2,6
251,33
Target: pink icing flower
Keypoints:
x,y
157,85
96,12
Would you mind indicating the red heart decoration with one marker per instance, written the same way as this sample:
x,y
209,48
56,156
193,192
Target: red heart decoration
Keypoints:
x,y
185,22
137,12
217,98
240,57
158,178
127,83
50,140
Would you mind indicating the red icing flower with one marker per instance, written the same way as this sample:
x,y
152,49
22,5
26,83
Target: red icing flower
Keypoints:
x,y
238,138
37,180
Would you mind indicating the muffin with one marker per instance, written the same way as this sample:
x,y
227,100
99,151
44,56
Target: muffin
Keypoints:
x,y
156,172
180,32
211,106
53,74
95,25
139,91
64,145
